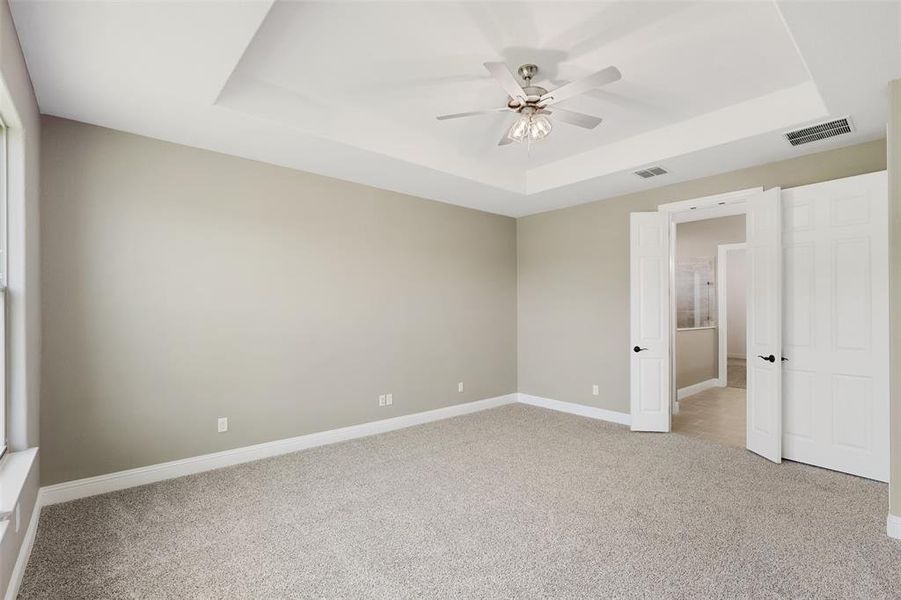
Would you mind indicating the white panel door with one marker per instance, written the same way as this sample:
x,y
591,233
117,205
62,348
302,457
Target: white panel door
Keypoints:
x,y
836,325
764,325
649,280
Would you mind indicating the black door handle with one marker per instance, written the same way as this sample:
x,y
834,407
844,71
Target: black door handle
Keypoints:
x,y
770,358
784,359
637,349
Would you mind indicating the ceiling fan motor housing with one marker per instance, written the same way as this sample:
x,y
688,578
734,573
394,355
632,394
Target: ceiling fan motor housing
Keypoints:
x,y
533,95
527,72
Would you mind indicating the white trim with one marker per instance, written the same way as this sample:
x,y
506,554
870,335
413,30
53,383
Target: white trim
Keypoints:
x,y
15,467
893,526
101,484
15,579
722,269
577,409
693,389
110,482
738,196
710,212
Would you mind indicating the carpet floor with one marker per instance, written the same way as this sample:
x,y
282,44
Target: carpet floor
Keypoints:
x,y
515,502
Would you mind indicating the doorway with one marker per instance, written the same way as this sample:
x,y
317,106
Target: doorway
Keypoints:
x,y
653,395
828,357
708,294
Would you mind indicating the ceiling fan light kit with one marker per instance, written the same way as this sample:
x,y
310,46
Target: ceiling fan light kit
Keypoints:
x,y
530,102
530,126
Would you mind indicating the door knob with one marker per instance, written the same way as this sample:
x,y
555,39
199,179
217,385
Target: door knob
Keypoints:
x,y
770,358
637,349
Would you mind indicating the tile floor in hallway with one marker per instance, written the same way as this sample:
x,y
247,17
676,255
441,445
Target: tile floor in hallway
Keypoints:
x,y
715,414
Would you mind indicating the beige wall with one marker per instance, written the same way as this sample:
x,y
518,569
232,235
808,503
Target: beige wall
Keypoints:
x,y
696,356
573,282
894,182
179,265
701,238
697,351
183,285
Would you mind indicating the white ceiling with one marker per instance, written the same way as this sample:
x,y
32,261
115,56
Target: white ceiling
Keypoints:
x,y
351,89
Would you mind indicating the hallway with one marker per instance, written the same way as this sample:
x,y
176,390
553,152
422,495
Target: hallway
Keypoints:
x,y
716,415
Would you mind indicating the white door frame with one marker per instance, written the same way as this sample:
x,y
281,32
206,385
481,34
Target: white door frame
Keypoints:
x,y
698,209
722,268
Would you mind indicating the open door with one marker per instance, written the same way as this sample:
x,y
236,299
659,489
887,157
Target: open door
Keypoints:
x,y
764,325
835,383
649,363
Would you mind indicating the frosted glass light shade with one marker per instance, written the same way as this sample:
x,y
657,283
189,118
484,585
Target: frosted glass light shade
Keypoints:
x,y
530,127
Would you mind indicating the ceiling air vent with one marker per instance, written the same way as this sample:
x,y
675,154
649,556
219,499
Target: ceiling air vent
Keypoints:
x,y
651,172
818,132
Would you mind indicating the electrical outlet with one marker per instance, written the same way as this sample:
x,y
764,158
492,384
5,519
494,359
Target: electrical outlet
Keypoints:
x,y
382,400
595,390
389,399
460,387
222,424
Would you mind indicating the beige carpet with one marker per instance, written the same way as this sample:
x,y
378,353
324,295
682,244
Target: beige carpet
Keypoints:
x,y
517,502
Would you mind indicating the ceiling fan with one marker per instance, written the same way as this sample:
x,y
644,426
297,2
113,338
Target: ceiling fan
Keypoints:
x,y
532,103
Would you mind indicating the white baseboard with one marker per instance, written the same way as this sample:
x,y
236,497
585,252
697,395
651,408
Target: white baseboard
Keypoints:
x,y
15,580
577,409
893,526
101,484
111,482
691,390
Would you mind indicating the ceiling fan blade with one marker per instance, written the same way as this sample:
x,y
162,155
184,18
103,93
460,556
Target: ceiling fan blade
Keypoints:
x,y
471,113
575,118
580,86
505,78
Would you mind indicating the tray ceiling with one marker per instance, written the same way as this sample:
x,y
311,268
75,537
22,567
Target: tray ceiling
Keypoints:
x,y
351,89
